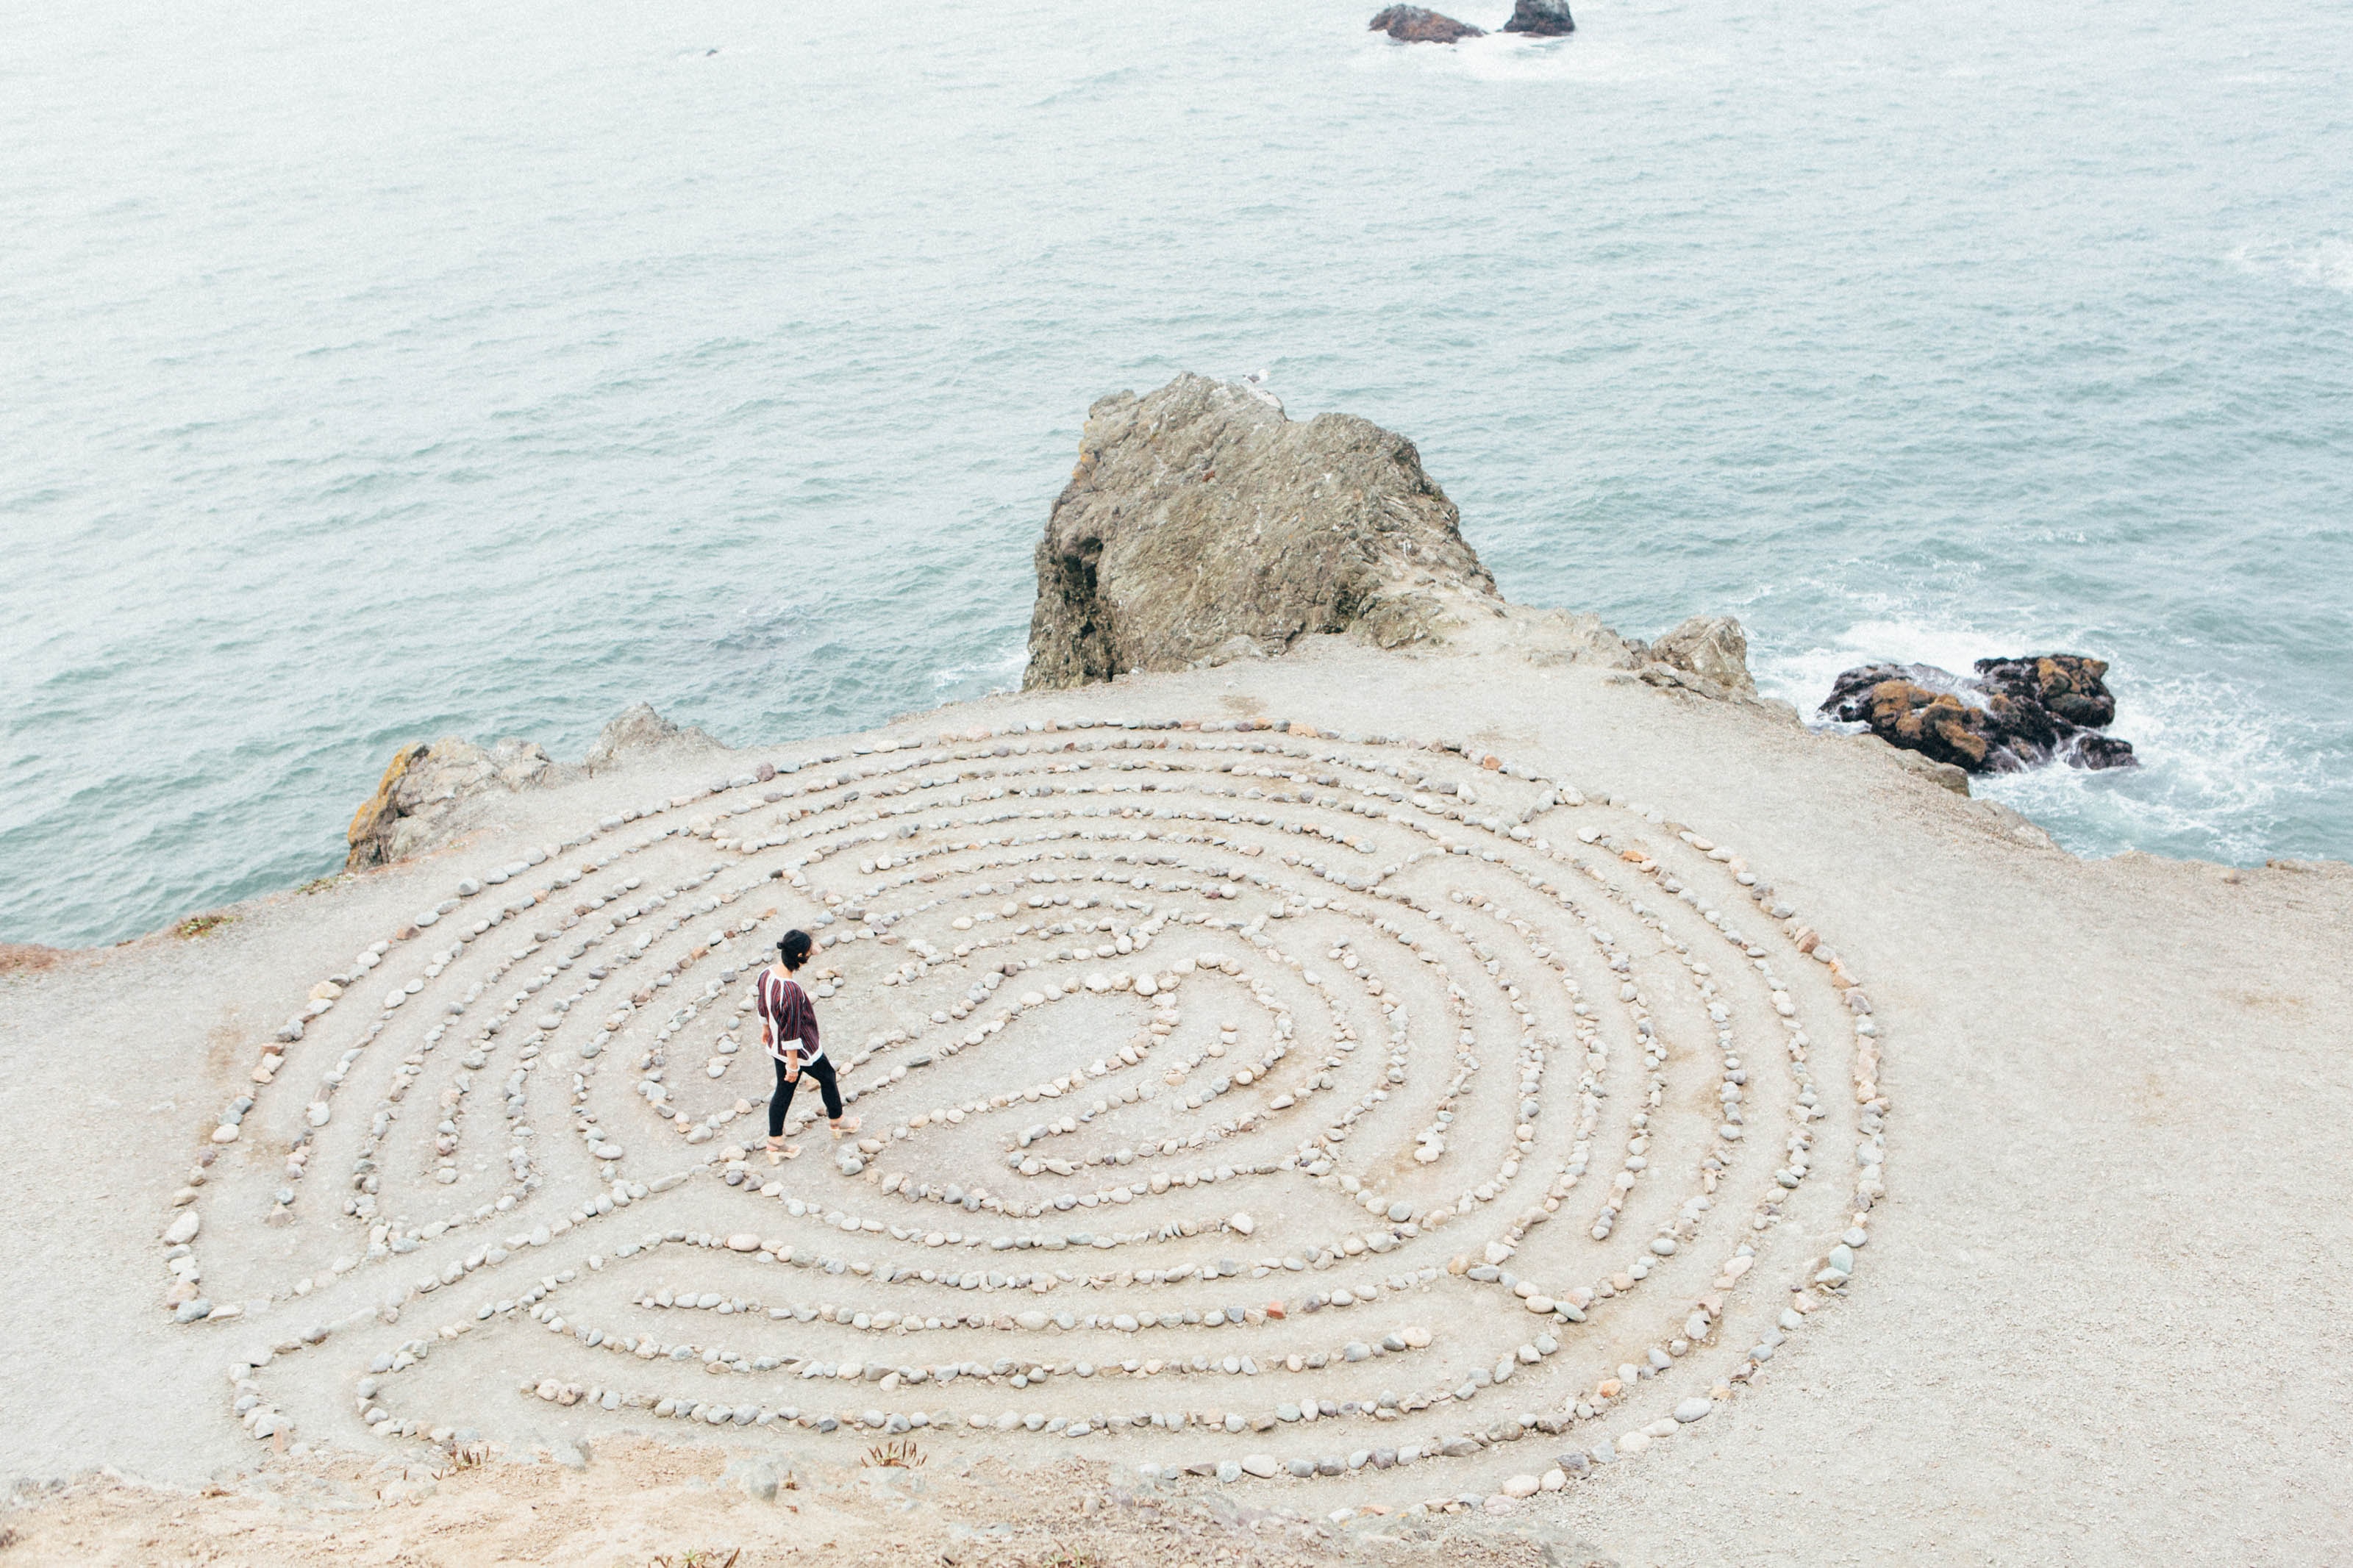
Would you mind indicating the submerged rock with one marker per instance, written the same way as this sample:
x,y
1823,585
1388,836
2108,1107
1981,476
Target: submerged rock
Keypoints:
x,y
1202,525
2014,714
1541,18
1418,25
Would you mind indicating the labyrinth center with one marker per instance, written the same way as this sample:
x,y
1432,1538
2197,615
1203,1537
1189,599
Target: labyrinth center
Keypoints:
x,y
1238,1101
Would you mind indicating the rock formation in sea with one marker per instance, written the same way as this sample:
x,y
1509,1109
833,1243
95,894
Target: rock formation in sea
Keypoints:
x,y
1541,18
2014,714
1202,524
1418,25
430,790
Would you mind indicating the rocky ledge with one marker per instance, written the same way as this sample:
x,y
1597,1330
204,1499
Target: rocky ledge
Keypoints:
x,y
2014,714
1418,25
432,791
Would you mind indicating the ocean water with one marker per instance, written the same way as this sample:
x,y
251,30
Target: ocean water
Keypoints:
x,y
369,373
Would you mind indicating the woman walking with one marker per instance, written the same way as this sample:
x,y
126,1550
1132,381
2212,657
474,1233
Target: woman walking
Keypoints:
x,y
788,1028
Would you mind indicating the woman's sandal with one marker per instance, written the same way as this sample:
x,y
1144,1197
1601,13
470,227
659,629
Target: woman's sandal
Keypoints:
x,y
846,1126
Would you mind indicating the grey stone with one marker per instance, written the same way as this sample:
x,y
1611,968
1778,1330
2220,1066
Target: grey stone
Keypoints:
x,y
638,729
756,1477
1713,647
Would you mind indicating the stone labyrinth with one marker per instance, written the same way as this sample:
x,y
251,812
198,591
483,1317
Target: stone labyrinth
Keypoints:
x,y
1240,1100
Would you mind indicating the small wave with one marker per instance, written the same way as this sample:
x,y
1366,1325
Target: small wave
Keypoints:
x,y
992,670
2219,774
1804,677
2323,264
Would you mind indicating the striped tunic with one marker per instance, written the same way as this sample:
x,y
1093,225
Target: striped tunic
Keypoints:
x,y
788,1021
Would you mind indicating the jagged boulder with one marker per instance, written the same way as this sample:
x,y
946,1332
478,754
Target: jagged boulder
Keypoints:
x,y
427,786
1202,524
431,792
639,727
2015,713
1713,647
1541,18
1418,25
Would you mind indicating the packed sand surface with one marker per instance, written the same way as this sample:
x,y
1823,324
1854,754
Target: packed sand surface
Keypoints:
x,y
1648,1132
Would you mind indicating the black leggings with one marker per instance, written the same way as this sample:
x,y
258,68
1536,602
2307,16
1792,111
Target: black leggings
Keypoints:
x,y
781,1102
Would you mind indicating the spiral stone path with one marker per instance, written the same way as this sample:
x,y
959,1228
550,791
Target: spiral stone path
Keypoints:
x,y
1241,1101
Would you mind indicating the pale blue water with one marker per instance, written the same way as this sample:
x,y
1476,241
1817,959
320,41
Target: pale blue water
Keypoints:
x,y
368,374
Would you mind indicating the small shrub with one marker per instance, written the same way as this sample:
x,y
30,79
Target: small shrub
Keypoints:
x,y
899,1454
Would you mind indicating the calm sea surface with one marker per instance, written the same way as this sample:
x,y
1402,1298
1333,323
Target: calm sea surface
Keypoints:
x,y
375,373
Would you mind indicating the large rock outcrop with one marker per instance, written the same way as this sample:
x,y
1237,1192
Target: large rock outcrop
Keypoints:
x,y
1202,524
431,791
2014,714
1418,25
1541,18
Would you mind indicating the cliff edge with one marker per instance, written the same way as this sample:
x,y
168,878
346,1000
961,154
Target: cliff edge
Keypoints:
x,y
433,791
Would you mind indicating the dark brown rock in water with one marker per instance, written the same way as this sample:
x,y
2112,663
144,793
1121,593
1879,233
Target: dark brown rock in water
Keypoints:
x,y
1202,525
2071,686
2014,714
1416,24
1541,18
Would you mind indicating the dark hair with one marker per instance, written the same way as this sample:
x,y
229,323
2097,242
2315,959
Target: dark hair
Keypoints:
x,y
795,948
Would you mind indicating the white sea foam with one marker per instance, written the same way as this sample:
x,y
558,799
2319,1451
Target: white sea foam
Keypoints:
x,y
2220,766
1803,676
2319,264
996,672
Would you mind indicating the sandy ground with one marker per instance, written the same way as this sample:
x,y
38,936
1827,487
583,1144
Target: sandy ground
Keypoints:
x,y
2101,1316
